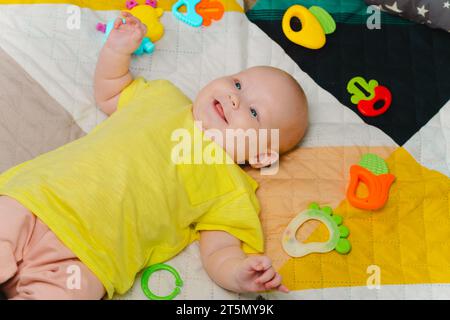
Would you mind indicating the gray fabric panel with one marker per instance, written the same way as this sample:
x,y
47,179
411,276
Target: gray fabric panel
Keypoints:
x,y
434,13
31,121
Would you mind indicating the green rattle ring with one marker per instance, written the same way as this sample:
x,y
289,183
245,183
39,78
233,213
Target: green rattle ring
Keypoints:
x,y
156,267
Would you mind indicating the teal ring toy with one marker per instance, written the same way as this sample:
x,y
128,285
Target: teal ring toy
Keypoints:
x,y
156,267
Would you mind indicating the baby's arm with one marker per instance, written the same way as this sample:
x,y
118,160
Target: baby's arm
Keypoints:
x,y
232,269
112,74
111,77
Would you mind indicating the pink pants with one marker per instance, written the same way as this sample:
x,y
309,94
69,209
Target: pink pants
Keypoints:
x,y
34,264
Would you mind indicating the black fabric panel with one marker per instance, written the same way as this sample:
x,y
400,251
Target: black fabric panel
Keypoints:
x,y
413,61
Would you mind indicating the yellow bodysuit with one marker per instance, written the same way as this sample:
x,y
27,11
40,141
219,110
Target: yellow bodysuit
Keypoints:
x,y
120,202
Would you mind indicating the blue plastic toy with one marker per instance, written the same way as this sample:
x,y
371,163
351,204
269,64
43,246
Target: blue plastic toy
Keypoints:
x,y
192,18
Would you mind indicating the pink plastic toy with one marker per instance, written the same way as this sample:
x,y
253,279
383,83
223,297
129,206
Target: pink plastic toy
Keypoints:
x,y
131,4
152,3
101,27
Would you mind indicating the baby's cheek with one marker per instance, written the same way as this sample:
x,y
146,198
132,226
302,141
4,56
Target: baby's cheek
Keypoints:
x,y
242,121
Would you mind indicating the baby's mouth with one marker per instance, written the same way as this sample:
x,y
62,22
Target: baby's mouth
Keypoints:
x,y
219,109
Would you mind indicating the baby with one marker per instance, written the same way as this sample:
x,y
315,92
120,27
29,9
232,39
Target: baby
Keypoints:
x,y
84,219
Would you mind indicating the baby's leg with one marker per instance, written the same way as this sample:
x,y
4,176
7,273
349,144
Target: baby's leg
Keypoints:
x,y
48,269
16,228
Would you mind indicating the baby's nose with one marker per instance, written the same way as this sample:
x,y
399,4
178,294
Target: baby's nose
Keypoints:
x,y
234,101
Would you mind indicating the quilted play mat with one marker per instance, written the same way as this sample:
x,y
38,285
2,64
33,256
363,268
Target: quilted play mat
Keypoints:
x,y
48,53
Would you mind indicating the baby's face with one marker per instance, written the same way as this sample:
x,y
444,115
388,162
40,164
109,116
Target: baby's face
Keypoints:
x,y
256,98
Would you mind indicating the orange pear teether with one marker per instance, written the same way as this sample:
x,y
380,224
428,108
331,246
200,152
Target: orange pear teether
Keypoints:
x,y
210,10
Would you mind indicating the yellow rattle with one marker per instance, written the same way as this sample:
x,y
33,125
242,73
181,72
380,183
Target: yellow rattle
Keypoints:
x,y
316,22
150,17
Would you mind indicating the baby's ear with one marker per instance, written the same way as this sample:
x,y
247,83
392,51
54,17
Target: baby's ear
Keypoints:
x,y
264,159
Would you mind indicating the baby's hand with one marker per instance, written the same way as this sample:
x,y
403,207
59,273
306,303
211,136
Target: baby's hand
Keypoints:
x,y
126,37
257,274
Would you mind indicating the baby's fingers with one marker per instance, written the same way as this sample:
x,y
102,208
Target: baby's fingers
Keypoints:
x,y
126,14
283,288
137,34
260,263
275,283
117,23
143,28
268,275
130,19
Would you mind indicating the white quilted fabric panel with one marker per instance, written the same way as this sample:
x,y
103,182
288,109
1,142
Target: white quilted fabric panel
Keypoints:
x,y
431,145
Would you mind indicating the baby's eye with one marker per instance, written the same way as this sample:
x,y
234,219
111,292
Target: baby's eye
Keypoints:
x,y
254,113
237,84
